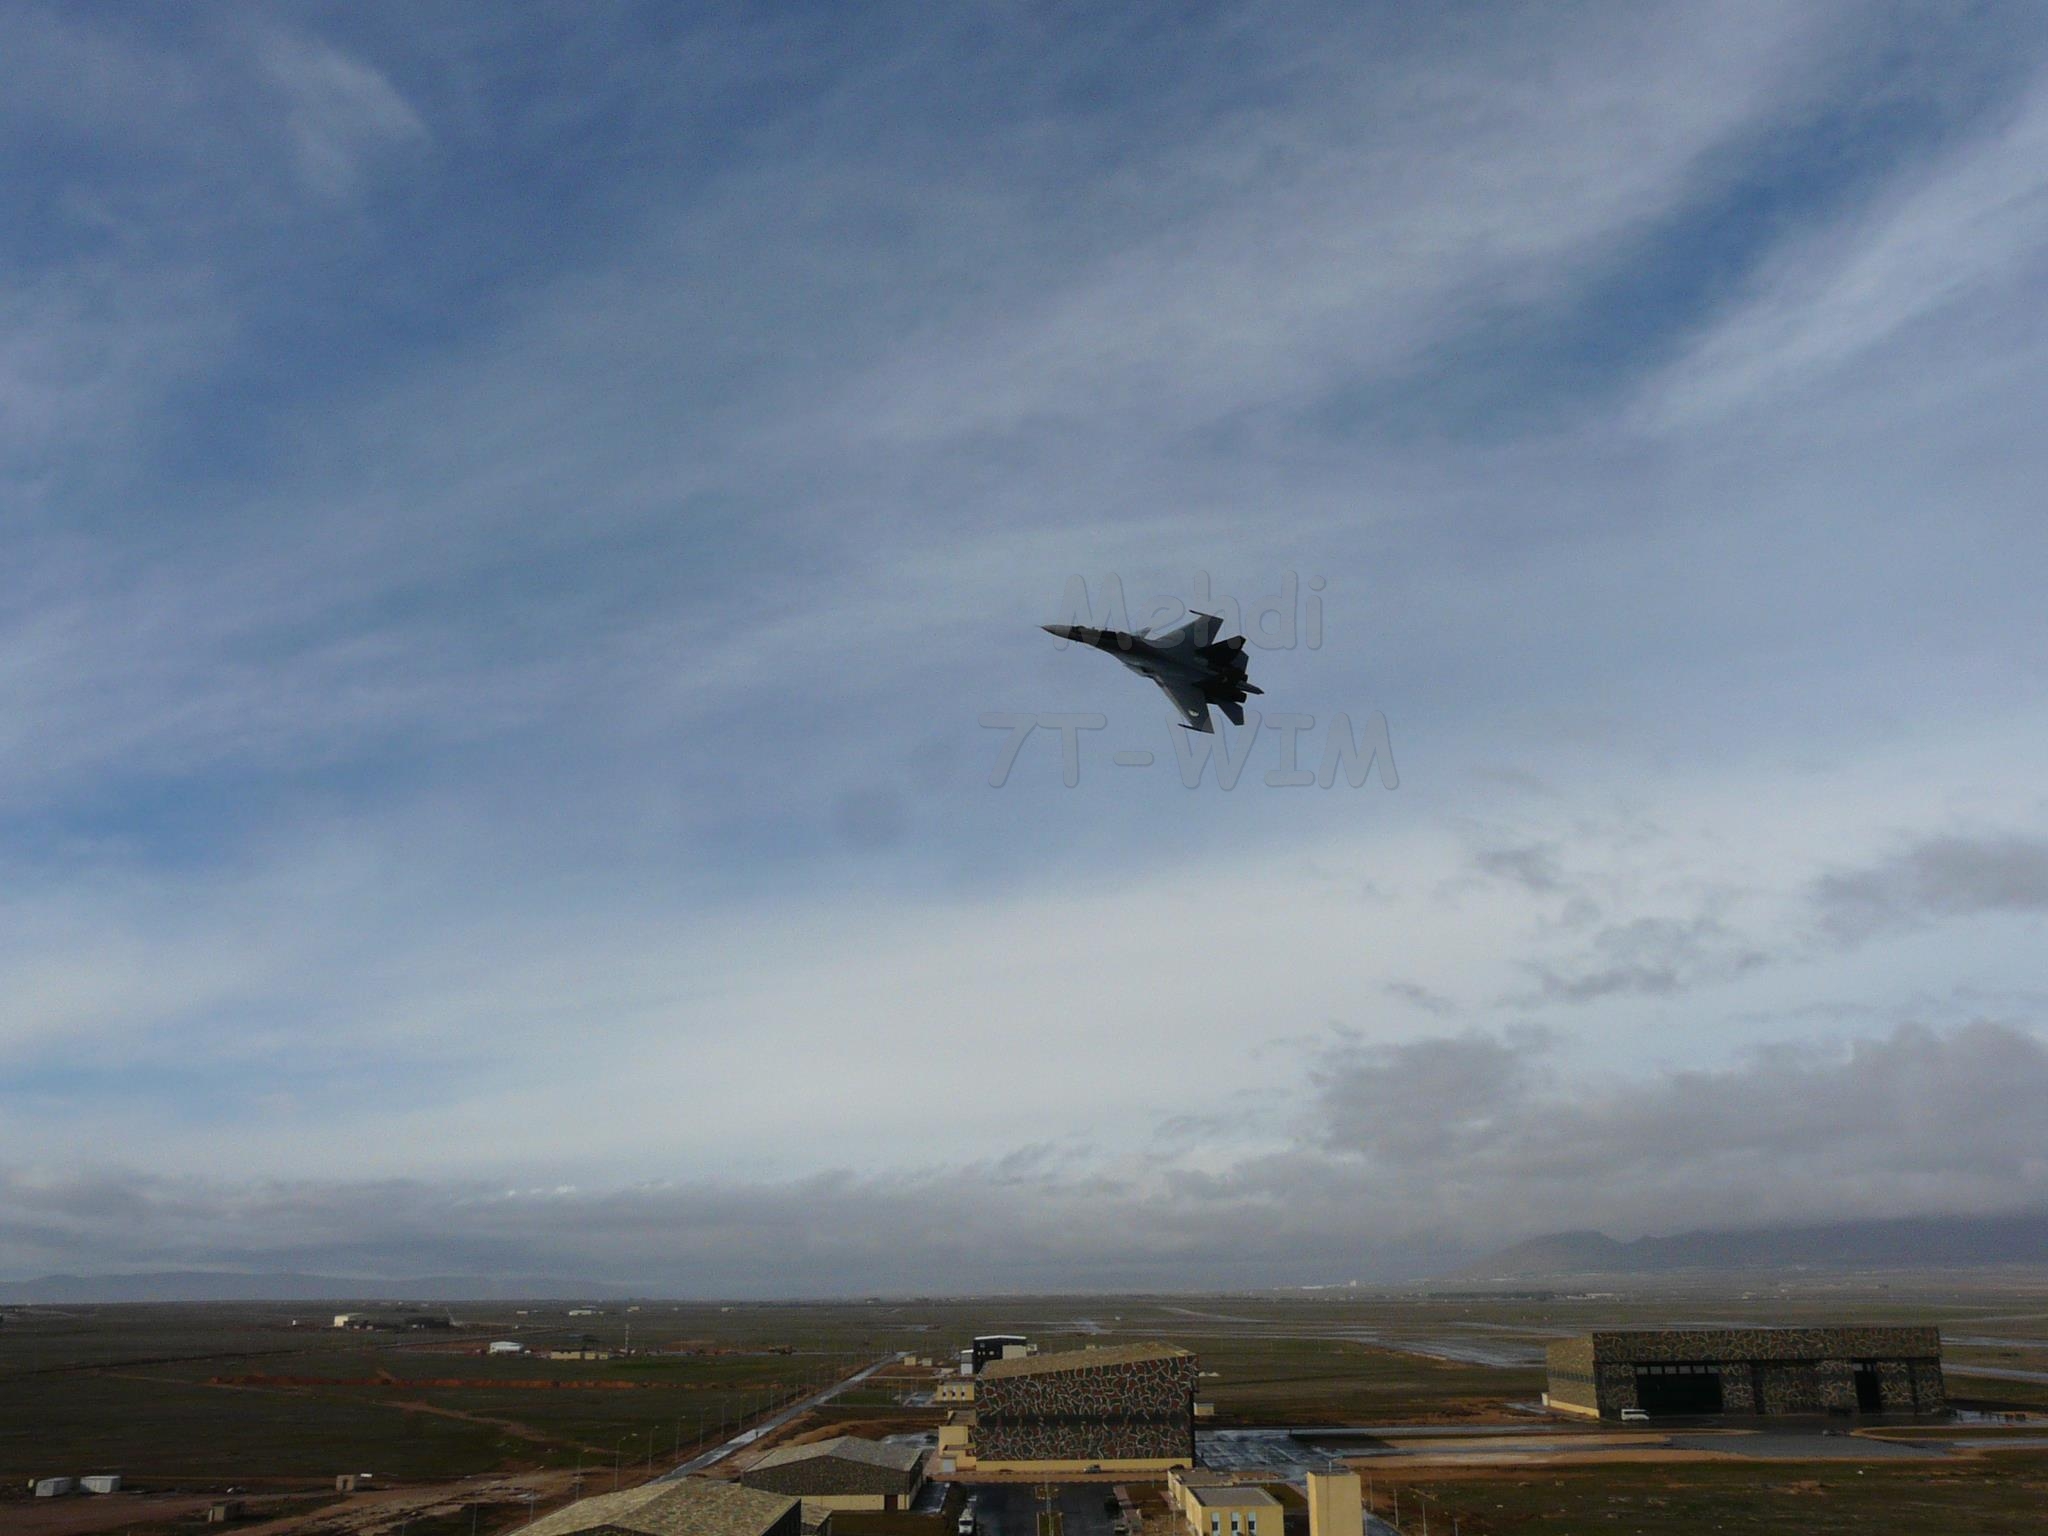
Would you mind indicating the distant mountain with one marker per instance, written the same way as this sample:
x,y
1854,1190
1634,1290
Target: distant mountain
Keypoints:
x,y
1918,1242
210,1285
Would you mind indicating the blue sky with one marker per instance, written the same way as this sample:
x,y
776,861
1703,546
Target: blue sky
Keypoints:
x,y
513,523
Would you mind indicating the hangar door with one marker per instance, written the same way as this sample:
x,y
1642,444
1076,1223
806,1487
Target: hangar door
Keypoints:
x,y
1662,1389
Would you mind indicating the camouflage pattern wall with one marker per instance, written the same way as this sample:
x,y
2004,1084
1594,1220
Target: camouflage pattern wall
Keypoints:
x,y
1759,1370
827,1475
1139,1410
1572,1382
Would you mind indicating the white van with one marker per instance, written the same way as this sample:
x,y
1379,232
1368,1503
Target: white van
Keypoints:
x,y
1635,1416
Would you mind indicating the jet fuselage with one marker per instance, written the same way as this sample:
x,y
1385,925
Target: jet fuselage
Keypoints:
x,y
1189,665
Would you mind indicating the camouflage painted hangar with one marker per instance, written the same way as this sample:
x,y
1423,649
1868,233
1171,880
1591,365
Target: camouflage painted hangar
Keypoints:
x,y
1125,1407
1751,1371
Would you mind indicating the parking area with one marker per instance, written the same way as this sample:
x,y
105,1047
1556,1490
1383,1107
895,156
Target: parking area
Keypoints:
x,y
1012,1509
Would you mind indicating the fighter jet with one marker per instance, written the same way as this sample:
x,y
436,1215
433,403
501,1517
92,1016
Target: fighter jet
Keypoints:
x,y
1189,664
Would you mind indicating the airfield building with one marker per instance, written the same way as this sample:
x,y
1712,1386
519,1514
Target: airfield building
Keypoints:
x,y
845,1472
1126,1408
997,1346
1748,1371
690,1506
1212,1505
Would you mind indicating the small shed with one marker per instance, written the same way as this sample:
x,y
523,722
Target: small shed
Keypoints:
x,y
53,1487
101,1482
222,1512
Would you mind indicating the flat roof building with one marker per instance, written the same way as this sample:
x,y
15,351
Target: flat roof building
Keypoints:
x,y
845,1472
690,1506
1125,1408
1212,1505
1749,1371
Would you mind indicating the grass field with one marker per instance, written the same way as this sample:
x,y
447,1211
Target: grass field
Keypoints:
x,y
269,1396
2004,1495
221,1394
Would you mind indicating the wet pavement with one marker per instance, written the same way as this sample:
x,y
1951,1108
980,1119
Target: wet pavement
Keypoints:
x,y
1012,1509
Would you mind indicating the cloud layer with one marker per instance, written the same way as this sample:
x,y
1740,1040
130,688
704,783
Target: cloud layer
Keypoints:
x,y
1416,1155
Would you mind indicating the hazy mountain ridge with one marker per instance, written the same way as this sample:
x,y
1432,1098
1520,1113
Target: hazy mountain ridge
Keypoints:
x,y
1923,1242
210,1285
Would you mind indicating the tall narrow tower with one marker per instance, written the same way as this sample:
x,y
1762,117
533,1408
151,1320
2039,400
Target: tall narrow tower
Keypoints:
x,y
1334,1505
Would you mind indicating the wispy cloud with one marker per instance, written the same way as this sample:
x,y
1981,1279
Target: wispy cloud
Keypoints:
x,y
1965,229
341,114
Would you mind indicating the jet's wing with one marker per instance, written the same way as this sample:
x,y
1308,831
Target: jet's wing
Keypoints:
x,y
1194,709
1200,630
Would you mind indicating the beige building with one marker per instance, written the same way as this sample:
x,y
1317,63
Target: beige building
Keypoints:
x,y
1212,1505
954,1390
845,1472
690,1506
954,1453
1336,1506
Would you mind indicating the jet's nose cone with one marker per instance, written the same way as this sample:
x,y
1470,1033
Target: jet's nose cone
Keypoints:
x,y
1059,631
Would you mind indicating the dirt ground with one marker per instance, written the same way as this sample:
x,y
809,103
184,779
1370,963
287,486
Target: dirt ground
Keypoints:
x,y
354,1514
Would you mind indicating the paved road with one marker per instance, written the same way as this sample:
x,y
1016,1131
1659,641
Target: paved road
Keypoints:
x,y
2002,1372
773,1422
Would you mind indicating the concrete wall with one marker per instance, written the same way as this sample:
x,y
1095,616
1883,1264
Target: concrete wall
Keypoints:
x,y
1336,1504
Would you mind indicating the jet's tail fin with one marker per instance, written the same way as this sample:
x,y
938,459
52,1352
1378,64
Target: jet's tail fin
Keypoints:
x,y
1232,711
